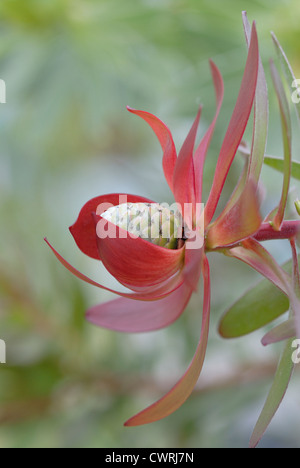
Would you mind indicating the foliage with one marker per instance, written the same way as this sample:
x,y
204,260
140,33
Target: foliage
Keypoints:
x,y
71,67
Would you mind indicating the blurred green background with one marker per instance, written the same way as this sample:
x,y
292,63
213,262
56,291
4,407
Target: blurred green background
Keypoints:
x,y
71,67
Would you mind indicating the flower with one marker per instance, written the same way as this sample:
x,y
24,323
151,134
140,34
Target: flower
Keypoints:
x,y
162,274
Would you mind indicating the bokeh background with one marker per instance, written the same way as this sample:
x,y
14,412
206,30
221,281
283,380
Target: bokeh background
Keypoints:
x,y
71,67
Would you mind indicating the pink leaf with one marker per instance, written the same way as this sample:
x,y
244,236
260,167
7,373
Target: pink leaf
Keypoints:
x,y
193,265
182,390
166,141
134,261
236,126
184,175
132,316
201,151
149,294
240,222
84,231
256,256
282,332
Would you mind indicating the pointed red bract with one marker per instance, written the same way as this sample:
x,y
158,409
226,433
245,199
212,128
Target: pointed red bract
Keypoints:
x,y
163,280
83,230
166,141
184,173
134,261
153,293
236,126
201,151
182,390
281,332
241,221
131,316
256,256
192,267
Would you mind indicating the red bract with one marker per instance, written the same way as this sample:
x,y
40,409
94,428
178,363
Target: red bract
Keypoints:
x,y
163,280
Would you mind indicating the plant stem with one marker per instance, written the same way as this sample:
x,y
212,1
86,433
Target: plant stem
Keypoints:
x,y
288,230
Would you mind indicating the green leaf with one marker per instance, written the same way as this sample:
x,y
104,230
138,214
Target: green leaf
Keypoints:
x,y
261,115
256,308
253,166
288,72
276,394
287,144
278,164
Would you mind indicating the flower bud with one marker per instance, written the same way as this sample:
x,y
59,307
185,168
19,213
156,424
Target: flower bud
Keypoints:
x,y
150,221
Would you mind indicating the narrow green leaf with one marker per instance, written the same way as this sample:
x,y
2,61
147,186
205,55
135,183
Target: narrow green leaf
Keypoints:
x,y
275,162
278,164
286,364
261,115
259,306
295,304
276,394
289,74
287,145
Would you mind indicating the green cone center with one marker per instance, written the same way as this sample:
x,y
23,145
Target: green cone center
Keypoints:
x,y
150,221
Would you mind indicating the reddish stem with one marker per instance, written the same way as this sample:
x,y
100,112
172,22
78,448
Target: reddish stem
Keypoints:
x,y
296,276
288,230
